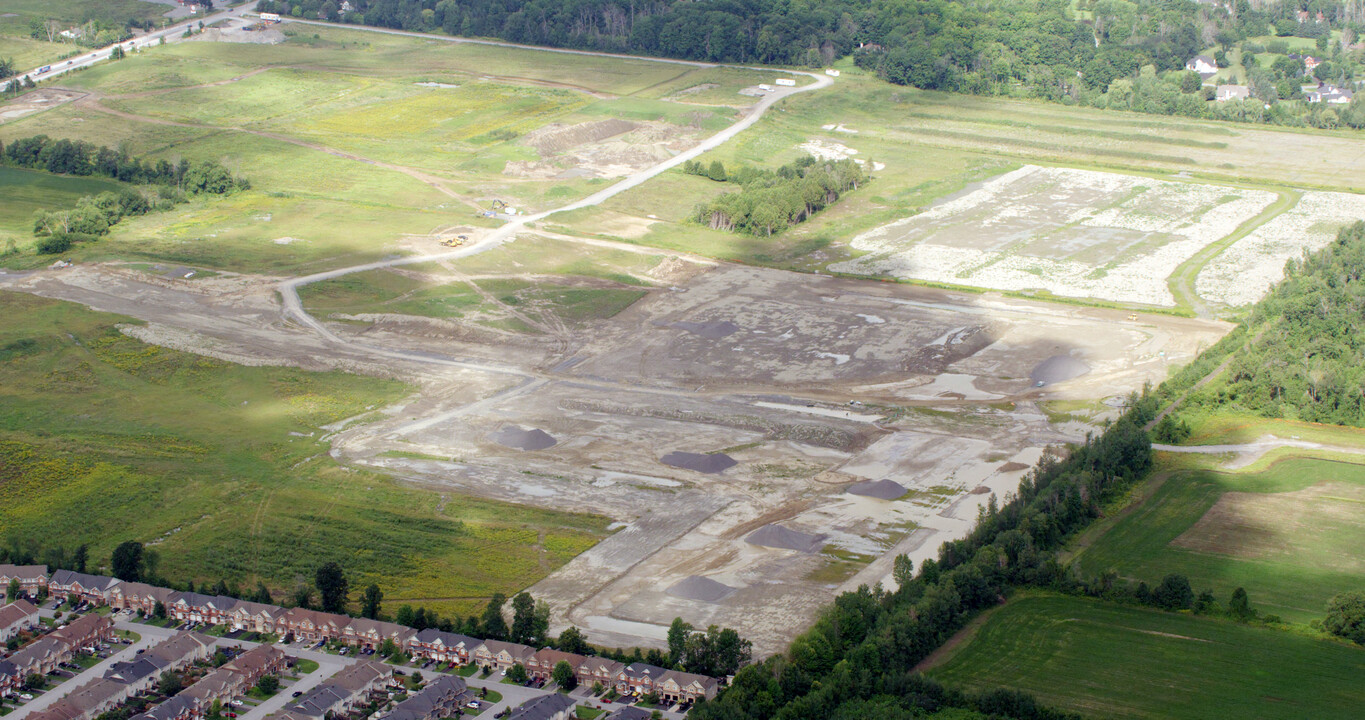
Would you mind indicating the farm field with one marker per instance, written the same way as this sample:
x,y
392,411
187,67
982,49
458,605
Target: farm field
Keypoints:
x,y
1285,526
222,468
1105,660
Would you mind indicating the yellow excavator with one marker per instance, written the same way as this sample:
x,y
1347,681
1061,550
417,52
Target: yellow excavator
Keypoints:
x,y
456,241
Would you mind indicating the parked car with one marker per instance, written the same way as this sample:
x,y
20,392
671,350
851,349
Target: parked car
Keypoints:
x,y
235,703
298,693
25,696
472,705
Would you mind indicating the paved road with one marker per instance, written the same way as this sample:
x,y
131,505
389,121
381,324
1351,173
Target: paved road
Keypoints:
x,y
1247,453
150,637
172,33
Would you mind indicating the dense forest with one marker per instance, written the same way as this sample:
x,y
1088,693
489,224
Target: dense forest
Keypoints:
x,y
1301,353
1122,54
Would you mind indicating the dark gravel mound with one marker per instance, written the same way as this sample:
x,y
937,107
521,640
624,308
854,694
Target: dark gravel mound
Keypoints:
x,y
696,587
880,489
776,536
1058,368
522,439
710,330
710,464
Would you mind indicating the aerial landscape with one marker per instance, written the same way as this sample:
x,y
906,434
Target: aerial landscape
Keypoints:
x,y
547,360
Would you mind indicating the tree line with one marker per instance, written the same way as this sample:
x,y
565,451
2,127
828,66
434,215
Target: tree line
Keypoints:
x,y
1300,355
168,185
770,201
1051,49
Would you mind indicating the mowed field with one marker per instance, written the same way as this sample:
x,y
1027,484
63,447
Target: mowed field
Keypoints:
x,y
223,469
1287,528
1114,661
27,53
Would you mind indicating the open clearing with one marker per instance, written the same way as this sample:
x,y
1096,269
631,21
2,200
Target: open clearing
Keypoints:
x,y
1122,662
608,360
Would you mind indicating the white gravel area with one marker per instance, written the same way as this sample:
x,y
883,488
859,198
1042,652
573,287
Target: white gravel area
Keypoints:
x,y
1246,270
1076,233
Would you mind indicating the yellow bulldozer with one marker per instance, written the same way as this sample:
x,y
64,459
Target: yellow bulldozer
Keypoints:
x,y
456,241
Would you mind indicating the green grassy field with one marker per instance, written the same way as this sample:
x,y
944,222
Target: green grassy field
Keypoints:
x,y
1122,662
221,468
28,191
73,12
1289,533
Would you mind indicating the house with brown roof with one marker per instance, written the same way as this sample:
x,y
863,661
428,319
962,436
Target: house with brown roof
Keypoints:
x,y
543,663
364,632
182,649
599,670
85,631
640,678
32,578
141,596
254,616
41,656
17,617
350,688
502,655
310,625
197,608
678,686
256,663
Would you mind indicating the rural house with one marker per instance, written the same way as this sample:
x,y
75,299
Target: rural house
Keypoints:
x,y
1202,64
1226,93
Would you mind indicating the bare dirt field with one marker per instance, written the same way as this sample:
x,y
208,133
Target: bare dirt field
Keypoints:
x,y
720,420
37,101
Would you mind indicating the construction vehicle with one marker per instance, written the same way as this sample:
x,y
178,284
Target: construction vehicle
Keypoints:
x,y
453,242
1132,317
499,206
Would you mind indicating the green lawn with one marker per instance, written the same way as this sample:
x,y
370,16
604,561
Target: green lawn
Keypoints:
x,y
27,191
1121,662
305,666
103,439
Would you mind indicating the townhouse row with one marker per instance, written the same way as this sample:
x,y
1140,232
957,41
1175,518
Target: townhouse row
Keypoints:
x,y
124,680
233,678
315,626
369,682
48,652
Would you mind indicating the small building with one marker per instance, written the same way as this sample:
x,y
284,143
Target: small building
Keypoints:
x,y
1202,64
17,617
831,72
1226,93
786,82
554,706
1310,62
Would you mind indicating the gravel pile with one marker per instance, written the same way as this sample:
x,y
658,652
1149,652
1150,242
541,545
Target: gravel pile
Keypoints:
x,y
1058,368
702,589
709,464
776,536
880,489
522,439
